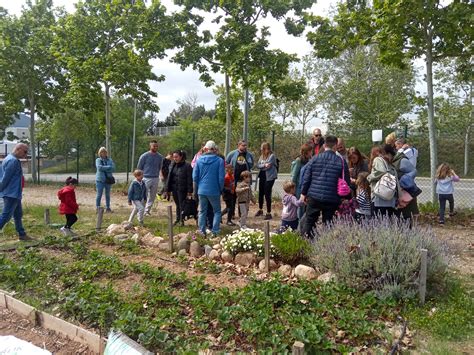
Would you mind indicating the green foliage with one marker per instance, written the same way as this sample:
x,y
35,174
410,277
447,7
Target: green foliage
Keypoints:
x,y
290,247
381,255
245,240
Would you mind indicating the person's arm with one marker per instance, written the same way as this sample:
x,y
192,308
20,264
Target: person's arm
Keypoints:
x,y
406,167
378,170
8,172
250,161
261,164
195,174
454,177
294,172
167,181
221,175
130,192
70,199
141,162
295,202
347,175
307,179
189,178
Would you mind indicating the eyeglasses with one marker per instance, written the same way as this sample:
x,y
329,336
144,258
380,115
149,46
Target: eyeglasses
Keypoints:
x,y
317,135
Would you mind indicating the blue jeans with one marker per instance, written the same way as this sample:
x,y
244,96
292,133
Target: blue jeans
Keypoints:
x,y
12,207
215,202
100,189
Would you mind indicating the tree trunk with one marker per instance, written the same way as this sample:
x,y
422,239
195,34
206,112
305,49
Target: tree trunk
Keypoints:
x,y
107,120
246,116
228,117
431,122
32,138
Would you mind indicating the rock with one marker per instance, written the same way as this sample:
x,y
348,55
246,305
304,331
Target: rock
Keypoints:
x,y
127,225
164,246
214,255
326,277
245,259
227,257
273,265
305,272
121,237
136,238
183,243
151,241
115,229
207,249
285,270
215,240
195,250
182,252
217,247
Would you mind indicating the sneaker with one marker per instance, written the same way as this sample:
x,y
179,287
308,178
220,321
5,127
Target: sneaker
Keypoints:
x,y
147,213
268,216
243,227
176,223
451,214
65,231
259,213
230,223
108,210
441,223
25,238
140,224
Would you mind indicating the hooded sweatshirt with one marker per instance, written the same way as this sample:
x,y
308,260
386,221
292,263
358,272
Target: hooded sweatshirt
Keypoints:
x,y
68,204
290,207
208,175
445,186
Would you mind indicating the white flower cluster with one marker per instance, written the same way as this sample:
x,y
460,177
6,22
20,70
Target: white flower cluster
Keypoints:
x,y
246,240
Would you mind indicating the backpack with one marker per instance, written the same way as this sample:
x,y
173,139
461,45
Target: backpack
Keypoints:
x,y
189,209
387,185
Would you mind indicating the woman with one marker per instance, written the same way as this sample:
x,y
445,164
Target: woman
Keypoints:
x,y
296,166
382,165
179,183
267,175
357,164
105,167
374,153
404,167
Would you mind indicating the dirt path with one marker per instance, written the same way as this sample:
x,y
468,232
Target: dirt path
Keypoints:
x,y
12,324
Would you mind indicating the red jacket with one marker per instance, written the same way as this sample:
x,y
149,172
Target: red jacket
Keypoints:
x,y
68,204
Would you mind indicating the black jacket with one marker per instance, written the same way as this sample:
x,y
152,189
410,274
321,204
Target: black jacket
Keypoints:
x,y
321,176
180,178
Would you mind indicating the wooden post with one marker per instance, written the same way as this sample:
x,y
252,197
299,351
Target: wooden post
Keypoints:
x,y
298,348
47,220
267,246
424,256
170,227
100,216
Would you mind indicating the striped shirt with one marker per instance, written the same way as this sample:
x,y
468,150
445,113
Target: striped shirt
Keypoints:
x,y
363,200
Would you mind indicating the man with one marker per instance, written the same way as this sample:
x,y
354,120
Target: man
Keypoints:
x,y
208,175
241,160
410,152
150,163
319,188
341,149
316,142
11,176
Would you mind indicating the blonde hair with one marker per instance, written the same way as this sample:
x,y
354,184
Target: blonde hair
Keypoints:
x,y
443,171
101,150
391,138
288,186
137,173
269,148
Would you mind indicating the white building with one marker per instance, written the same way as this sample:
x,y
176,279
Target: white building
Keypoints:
x,y
20,128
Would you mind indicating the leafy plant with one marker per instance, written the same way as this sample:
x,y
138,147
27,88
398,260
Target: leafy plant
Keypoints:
x,y
246,240
290,247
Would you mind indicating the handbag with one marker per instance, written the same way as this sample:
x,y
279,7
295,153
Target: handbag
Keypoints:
x,y
109,179
387,185
343,188
189,209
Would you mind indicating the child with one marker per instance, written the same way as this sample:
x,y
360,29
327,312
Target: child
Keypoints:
x,y
364,210
137,196
244,196
445,190
68,205
229,193
289,215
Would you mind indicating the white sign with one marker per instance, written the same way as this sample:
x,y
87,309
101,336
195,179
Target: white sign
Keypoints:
x,y
377,135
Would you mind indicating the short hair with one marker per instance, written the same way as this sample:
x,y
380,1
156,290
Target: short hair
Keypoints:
x,y
102,150
331,141
288,185
153,141
229,167
388,149
137,172
245,174
71,181
242,141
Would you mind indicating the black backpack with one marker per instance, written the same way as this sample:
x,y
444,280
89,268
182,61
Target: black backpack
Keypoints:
x,y
189,209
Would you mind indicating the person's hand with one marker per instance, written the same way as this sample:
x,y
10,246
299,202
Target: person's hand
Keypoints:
x,y
303,198
267,165
129,203
353,180
190,195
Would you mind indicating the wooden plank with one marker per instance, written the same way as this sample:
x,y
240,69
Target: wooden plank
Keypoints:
x,y
47,219
170,228
20,308
100,216
424,262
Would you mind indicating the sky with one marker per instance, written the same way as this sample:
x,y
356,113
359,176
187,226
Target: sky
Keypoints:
x,y
179,83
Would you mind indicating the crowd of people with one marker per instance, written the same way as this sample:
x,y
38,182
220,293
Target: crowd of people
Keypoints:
x,y
326,180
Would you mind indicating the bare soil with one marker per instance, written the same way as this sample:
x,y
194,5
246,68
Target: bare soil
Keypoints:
x,y
12,324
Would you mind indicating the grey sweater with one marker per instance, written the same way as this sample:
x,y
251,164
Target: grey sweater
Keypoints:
x,y
151,164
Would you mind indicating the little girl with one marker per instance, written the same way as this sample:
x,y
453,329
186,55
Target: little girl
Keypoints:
x,y
364,210
445,176
229,193
289,215
137,196
68,205
244,196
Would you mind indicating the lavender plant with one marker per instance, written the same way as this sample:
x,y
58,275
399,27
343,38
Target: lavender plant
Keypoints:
x,y
380,254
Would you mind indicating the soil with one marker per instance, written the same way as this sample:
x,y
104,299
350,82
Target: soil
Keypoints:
x,y
12,324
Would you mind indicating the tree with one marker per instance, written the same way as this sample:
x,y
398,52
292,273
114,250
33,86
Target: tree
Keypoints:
x,y
107,45
239,49
188,108
29,75
426,29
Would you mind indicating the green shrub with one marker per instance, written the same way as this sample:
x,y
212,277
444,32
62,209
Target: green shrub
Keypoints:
x,y
246,240
381,255
290,247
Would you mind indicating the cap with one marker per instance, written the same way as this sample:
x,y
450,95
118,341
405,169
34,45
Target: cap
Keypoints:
x,y
210,145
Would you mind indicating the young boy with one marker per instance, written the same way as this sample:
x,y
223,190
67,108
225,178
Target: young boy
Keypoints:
x,y
229,193
68,205
289,217
137,196
244,196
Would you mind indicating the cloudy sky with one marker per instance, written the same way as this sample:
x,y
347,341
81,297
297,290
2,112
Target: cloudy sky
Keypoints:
x,y
178,83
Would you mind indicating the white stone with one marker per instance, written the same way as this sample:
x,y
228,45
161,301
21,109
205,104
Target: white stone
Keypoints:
x,y
326,277
227,257
245,259
136,238
305,272
151,241
121,237
273,265
115,229
214,255
217,247
285,270
127,225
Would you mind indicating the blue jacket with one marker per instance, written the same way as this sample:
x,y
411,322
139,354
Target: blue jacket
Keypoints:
x,y
271,172
136,191
103,166
232,159
208,175
10,177
321,175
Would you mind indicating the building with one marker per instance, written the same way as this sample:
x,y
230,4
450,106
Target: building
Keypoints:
x,y
20,128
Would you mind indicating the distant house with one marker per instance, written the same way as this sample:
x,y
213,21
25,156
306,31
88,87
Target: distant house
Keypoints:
x,y
20,128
